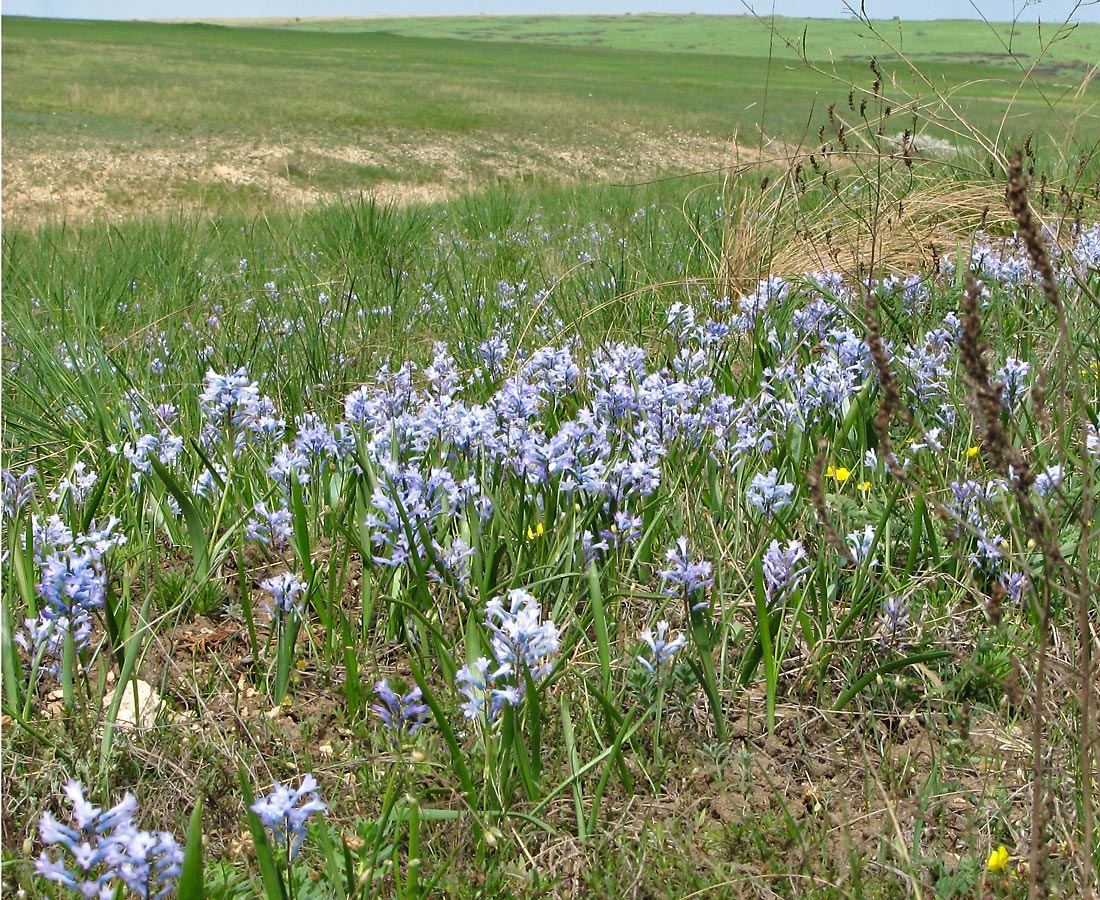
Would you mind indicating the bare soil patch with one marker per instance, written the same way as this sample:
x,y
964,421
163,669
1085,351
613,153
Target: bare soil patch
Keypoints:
x,y
116,183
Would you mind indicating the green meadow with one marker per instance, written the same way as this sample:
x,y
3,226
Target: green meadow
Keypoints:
x,y
1073,46
549,457
339,110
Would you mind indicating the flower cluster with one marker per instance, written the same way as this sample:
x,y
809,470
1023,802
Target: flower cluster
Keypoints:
x,y
686,577
784,568
284,812
73,586
401,715
662,649
287,595
894,623
18,491
522,645
105,848
767,495
232,406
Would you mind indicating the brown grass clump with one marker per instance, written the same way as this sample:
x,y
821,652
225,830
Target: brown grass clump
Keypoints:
x,y
896,222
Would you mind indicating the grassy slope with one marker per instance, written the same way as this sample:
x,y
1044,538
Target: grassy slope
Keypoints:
x,y
804,814
741,35
71,82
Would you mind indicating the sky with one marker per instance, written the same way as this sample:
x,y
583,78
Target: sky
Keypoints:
x,y
1052,11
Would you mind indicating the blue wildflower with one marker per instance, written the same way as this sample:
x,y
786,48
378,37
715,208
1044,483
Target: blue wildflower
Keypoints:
x,y
894,622
767,495
106,847
662,649
284,812
784,568
402,715
18,491
686,577
286,594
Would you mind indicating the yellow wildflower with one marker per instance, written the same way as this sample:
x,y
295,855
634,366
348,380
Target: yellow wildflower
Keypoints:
x,y
864,485
538,531
972,452
998,859
840,473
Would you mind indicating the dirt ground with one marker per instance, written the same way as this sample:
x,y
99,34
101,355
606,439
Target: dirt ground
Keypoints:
x,y
115,183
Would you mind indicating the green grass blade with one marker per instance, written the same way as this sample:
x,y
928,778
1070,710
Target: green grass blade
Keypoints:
x,y
190,885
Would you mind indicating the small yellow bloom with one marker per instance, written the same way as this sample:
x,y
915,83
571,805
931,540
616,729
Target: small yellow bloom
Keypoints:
x,y
538,531
864,485
998,859
972,452
840,473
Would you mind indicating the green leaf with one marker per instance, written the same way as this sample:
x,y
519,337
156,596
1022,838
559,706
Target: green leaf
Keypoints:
x,y
190,884
195,530
599,620
273,884
892,666
444,725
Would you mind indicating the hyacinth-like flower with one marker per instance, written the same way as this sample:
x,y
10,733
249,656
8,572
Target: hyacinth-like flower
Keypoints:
x,y
232,404
17,491
148,862
625,529
165,447
784,568
207,483
75,487
49,535
402,715
1012,377
286,595
105,847
1013,584
472,682
662,649
681,322
44,638
1092,440
894,622
686,577
767,495
493,352
860,544
270,526
1047,482
521,643
284,812
74,583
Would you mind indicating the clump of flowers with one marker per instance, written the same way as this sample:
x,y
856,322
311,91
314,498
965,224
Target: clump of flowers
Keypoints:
x,y
860,543
287,595
17,491
273,527
894,623
522,645
284,812
784,569
662,649
401,715
73,585
767,495
104,848
687,577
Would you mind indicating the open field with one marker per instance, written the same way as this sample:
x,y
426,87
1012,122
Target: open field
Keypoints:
x,y
418,483
745,36
113,118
